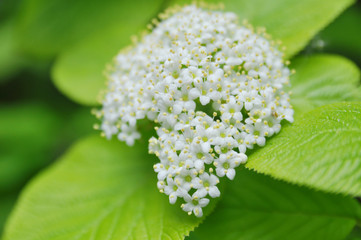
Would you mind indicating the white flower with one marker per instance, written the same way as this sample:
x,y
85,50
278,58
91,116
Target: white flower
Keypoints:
x,y
207,185
187,178
174,190
232,110
227,162
128,134
213,88
194,204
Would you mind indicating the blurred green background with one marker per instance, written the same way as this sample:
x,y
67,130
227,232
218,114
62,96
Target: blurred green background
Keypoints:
x,y
37,122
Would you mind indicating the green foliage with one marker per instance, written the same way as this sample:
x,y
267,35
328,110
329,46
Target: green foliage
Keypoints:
x,y
343,36
25,141
98,190
9,60
255,206
32,135
8,8
105,190
293,22
6,204
79,72
323,79
322,149
355,234
46,28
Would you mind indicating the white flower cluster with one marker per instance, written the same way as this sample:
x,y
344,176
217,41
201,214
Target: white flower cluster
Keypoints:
x,y
214,89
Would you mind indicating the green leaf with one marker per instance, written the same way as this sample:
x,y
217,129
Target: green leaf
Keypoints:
x,y
78,72
99,190
321,149
46,28
292,22
255,206
343,35
321,80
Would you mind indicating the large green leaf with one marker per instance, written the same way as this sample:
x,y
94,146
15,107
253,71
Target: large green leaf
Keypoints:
x,y
98,190
292,22
322,149
323,79
30,139
78,72
255,206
